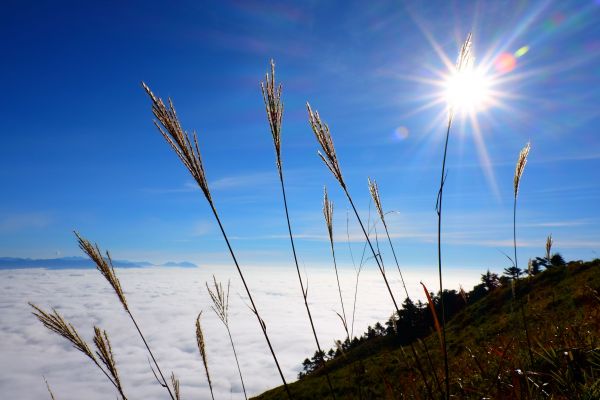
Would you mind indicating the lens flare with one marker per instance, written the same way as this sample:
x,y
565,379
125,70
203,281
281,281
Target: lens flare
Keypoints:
x,y
505,63
522,51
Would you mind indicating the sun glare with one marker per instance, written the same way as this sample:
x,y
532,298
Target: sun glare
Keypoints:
x,y
467,90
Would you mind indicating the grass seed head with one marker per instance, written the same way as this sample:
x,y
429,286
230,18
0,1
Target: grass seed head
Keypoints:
x,y
521,162
220,299
57,324
104,265
549,243
105,353
186,149
374,190
271,93
465,56
321,131
328,213
202,347
175,383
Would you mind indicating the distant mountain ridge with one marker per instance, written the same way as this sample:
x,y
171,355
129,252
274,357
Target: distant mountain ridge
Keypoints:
x,y
80,263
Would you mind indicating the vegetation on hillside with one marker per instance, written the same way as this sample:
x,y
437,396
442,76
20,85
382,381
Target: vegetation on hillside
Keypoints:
x,y
488,352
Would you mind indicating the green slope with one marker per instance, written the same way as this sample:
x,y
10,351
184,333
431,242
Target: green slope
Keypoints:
x,y
488,348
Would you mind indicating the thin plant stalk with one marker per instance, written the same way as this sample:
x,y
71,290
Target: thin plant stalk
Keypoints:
x,y
274,107
374,189
328,214
360,266
439,248
357,270
220,299
188,152
323,135
465,59
521,162
49,390
321,131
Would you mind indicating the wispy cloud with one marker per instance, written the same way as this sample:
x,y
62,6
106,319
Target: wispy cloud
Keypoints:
x,y
187,187
228,182
17,222
255,179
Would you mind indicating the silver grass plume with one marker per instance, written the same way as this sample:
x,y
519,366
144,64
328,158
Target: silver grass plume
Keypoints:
x,y
105,353
465,56
175,383
328,213
274,107
169,126
519,168
106,268
549,243
374,190
321,131
202,349
57,324
104,265
521,162
220,299
187,150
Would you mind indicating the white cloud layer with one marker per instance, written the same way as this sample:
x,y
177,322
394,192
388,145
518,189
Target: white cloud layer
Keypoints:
x,y
165,303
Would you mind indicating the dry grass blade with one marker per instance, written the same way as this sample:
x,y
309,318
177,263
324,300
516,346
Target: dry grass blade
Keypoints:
x,y
549,243
105,354
328,213
57,324
220,299
272,97
202,349
175,383
434,314
105,266
521,162
374,190
321,131
187,150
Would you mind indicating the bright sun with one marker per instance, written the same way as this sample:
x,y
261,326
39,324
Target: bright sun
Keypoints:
x,y
467,90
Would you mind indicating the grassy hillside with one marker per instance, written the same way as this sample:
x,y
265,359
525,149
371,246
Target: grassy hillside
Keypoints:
x,y
489,352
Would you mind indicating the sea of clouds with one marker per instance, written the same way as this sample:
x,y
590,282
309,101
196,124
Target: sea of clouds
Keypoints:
x,y
166,302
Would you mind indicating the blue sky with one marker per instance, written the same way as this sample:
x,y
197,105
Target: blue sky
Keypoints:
x,y
80,150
